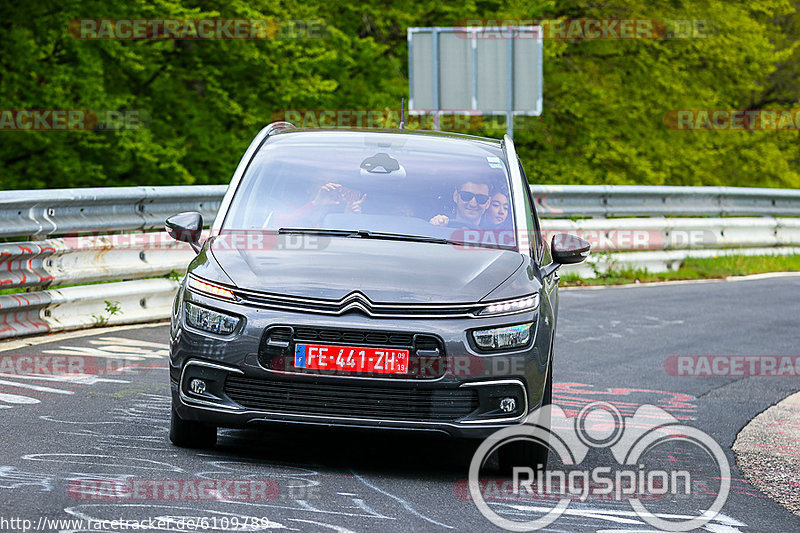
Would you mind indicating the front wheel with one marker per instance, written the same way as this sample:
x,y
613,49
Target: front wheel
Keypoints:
x,y
527,453
191,434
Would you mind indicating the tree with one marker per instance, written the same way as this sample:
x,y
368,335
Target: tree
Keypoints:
x,y
202,101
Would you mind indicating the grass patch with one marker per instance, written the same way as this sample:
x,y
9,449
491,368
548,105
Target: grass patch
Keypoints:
x,y
692,268
12,291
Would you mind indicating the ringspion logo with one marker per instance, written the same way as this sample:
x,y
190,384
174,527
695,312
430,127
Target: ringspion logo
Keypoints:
x,y
631,441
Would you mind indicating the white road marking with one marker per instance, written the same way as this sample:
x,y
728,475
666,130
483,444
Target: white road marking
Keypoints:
x,y
131,342
102,460
17,399
12,478
123,353
60,337
78,422
401,501
630,517
78,379
38,388
338,529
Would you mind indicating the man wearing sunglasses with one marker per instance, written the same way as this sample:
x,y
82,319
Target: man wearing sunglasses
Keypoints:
x,y
471,199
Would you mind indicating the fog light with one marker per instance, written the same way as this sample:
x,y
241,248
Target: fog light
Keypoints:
x,y
197,386
508,405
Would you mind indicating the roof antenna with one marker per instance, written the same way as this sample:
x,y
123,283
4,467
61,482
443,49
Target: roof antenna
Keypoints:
x,y
402,112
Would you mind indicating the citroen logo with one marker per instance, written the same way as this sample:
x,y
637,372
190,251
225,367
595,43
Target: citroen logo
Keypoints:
x,y
356,301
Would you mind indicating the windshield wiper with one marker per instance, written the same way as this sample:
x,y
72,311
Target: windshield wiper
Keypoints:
x,y
364,234
318,231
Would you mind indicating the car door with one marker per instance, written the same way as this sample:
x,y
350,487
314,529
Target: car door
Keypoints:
x,y
540,256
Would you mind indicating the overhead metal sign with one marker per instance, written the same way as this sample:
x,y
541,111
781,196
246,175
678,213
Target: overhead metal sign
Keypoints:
x,y
463,69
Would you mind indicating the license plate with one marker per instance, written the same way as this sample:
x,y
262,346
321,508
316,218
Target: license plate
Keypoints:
x,y
351,358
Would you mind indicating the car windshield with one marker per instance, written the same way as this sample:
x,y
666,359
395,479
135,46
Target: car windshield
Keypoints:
x,y
379,185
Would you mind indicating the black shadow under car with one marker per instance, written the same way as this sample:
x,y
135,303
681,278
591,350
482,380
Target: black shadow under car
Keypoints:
x,y
390,279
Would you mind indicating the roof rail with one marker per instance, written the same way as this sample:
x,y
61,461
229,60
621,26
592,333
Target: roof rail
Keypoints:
x,y
277,127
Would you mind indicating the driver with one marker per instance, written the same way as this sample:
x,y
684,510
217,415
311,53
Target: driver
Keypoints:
x,y
471,200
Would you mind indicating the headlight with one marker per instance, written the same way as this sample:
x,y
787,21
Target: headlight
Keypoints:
x,y
210,321
529,303
208,288
503,338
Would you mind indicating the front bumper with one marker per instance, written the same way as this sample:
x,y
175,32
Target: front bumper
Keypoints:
x,y
474,395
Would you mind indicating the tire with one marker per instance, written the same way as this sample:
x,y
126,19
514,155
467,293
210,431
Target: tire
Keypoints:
x,y
191,434
528,453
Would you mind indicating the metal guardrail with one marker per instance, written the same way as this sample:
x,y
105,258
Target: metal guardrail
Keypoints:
x,y
659,233
86,259
634,200
71,241
42,213
84,306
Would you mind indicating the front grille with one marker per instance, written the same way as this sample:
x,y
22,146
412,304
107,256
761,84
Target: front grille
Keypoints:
x,y
332,400
355,302
426,352
334,336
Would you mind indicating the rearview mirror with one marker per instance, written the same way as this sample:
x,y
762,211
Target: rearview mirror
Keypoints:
x,y
566,249
186,227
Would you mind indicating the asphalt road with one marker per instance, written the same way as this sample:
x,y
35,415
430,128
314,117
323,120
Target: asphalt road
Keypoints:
x,y
66,438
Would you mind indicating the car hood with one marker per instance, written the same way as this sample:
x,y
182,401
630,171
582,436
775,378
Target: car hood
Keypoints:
x,y
384,271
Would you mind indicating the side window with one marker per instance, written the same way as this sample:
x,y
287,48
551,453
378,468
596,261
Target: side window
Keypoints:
x,y
537,243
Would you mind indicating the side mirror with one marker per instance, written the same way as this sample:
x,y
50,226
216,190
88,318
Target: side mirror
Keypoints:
x,y
186,227
566,250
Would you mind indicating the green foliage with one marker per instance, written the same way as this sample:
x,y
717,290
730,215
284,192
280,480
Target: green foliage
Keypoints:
x,y
112,308
203,101
691,268
175,275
